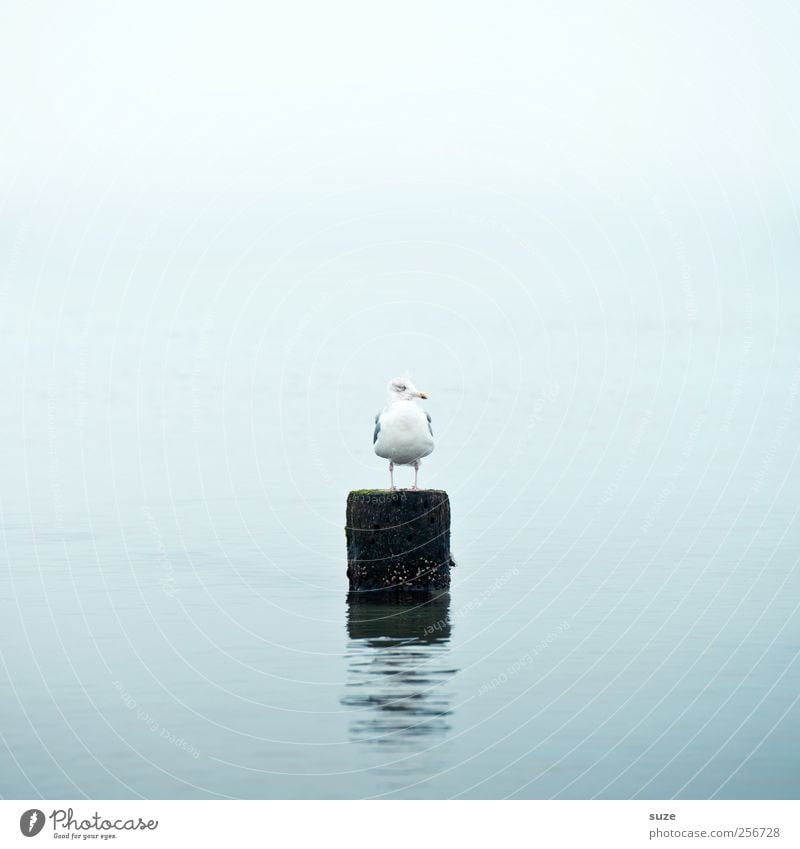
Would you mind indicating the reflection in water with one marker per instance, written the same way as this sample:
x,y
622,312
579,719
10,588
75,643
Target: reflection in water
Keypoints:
x,y
397,668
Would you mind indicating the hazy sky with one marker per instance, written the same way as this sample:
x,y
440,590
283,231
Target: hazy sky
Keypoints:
x,y
435,182
288,97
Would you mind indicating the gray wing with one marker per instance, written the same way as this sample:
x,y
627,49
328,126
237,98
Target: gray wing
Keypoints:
x,y
428,417
378,428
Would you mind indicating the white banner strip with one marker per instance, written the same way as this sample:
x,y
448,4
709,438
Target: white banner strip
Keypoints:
x,y
400,824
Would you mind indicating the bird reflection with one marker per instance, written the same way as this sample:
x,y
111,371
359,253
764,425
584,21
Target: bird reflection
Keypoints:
x,y
397,668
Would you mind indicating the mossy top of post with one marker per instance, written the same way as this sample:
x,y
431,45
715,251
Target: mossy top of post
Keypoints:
x,y
394,491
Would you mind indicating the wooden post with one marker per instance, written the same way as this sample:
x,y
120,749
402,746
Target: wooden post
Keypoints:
x,y
398,541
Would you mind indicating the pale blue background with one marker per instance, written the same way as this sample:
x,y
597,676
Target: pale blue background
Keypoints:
x,y
226,226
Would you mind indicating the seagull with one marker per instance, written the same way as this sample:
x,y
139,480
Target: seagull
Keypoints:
x,y
403,433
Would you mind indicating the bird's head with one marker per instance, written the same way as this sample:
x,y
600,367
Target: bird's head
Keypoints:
x,y
402,389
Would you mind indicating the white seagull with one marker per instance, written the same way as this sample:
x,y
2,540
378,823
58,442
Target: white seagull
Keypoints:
x,y
403,433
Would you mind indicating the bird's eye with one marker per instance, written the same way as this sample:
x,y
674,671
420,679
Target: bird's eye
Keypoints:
x,y
400,387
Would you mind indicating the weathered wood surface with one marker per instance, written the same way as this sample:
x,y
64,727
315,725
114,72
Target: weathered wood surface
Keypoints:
x,y
398,541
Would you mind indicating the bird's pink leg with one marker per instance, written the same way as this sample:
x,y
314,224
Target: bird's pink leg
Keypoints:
x,y
391,476
416,472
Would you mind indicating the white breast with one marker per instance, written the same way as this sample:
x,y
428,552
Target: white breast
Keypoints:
x,y
404,435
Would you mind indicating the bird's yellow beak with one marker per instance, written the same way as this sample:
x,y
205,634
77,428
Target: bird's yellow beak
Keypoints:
x,y
423,395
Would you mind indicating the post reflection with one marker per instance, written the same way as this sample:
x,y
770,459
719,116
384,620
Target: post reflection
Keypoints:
x,y
398,668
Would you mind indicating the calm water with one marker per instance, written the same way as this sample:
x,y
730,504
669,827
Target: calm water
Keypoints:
x,y
575,226
622,465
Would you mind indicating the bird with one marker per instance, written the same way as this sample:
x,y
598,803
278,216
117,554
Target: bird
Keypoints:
x,y
403,433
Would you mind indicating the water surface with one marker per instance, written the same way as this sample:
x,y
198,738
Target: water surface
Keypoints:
x,y
623,620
